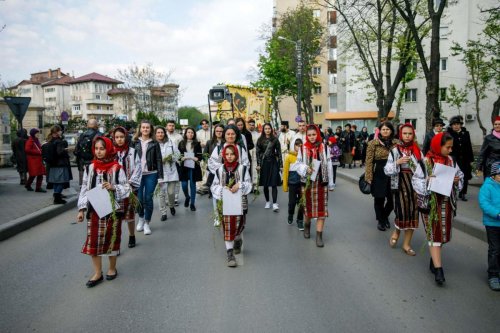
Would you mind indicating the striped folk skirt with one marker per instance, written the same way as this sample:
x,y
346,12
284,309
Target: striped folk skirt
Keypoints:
x,y
316,200
440,231
405,200
103,236
129,211
233,226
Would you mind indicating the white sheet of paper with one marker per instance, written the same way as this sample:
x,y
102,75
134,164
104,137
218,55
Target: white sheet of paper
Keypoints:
x,y
316,165
189,163
231,203
100,201
443,182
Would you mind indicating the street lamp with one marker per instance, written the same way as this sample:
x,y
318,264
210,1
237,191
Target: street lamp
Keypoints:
x,y
298,54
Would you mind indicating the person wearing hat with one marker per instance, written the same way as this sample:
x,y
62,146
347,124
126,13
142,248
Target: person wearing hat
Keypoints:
x,y
462,151
437,127
285,137
490,150
489,201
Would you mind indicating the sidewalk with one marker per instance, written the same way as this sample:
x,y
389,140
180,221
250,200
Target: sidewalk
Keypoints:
x,y
21,209
469,215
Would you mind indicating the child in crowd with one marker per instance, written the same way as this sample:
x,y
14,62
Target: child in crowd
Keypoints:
x,y
292,185
489,201
335,154
237,178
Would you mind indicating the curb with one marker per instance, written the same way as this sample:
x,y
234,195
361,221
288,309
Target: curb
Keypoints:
x,y
462,223
22,223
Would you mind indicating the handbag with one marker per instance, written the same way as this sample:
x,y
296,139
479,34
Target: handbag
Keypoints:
x,y
364,186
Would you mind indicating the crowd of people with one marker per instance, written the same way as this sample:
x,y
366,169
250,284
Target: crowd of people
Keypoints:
x,y
236,159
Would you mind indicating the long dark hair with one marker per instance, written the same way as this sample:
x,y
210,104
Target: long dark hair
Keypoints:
x,y
185,139
165,137
389,125
244,124
262,136
214,138
235,129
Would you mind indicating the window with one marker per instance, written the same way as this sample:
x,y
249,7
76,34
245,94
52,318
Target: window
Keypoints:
x,y
443,32
413,122
333,102
411,95
316,13
98,97
25,91
50,99
317,89
332,54
442,94
49,90
40,121
443,64
318,109
414,66
76,107
316,70
99,107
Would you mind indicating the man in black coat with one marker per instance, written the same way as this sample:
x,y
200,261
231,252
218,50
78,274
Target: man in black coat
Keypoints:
x,y
83,148
437,125
462,151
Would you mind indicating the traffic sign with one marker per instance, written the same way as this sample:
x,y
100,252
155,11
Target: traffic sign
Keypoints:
x,y
18,106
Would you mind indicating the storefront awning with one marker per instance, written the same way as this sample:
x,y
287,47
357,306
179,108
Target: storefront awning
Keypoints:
x,y
354,115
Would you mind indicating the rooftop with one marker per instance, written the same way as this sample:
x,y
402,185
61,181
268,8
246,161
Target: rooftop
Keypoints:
x,y
95,77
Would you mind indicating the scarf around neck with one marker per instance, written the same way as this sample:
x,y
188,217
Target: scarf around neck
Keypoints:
x,y
108,162
409,147
230,166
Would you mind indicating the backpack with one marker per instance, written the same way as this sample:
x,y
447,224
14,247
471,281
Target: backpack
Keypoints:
x,y
49,153
84,146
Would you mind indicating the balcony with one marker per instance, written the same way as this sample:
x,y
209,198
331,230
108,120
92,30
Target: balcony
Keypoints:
x,y
332,66
332,17
332,88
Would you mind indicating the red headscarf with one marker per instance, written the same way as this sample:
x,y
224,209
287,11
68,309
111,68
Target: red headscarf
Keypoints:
x,y
435,152
108,162
233,165
410,147
125,145
497,118
332,140
313,149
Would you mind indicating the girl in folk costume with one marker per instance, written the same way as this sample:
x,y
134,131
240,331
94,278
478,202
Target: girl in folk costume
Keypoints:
x,y
236,176
170,155
400,166
103,234
438,220
131,165
315,190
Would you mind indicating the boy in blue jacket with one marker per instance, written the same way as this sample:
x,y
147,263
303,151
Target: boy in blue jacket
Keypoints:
x,y
489,201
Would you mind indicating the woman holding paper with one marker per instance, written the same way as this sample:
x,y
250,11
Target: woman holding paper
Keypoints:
x,y
269,164
377,154
315,168
442,207
231,136
103,232
130,163
170,155
235,178
400,166
149,152
190,170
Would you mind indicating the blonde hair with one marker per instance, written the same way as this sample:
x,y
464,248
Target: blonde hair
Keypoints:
x,y
138,132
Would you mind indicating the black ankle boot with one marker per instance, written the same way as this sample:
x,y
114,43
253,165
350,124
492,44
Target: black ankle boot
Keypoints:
x,y
381,225
307,229
290,219
439,276
131,241
319,239
231,260
58,199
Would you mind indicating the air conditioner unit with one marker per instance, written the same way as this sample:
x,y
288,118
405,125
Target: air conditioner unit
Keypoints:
x,y
470,117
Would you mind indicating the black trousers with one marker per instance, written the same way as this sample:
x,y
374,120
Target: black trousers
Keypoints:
x,y
493,235
294,193
334,167
466,186
383,207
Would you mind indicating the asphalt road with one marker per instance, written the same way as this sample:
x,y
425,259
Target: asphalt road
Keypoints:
x,y
176,280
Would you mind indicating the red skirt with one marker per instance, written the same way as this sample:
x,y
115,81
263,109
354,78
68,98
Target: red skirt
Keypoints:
x,y
103,236
316,200
440,231
129,211
233,226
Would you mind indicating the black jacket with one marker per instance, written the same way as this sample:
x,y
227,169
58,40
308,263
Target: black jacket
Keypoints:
x,y
427,142
490,153
462,151
248,137
61,153
347,141
153,156
184,171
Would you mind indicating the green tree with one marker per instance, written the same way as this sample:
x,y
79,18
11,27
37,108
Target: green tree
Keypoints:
x,y
456,97
192,114
277,67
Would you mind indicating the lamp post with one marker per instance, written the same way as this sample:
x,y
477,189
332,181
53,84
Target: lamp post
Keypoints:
x,y
298,54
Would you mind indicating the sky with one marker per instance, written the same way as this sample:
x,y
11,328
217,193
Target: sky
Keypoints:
x,y
202,42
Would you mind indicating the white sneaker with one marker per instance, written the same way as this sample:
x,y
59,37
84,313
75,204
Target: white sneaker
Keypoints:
x,y
147,229
275,207
268,205
140,224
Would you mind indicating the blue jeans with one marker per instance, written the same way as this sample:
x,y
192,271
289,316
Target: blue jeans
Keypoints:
x,y
58,188
192,186
145,195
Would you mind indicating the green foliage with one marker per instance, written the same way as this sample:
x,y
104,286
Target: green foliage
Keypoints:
x,y
277,67
115,122
456,97
76,124
153,118
192,114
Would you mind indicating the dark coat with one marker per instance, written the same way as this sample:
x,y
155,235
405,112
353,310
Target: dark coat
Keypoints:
x,y
34,158
490,153
249,140
18,145
269,159
427,142
62,157
154,160
184,171
462,151
347,141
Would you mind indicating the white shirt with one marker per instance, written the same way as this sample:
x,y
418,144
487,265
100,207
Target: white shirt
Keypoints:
x,y
203,136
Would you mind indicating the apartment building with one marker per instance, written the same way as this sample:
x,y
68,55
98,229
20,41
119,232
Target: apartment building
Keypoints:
x,y
325,72
89,96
